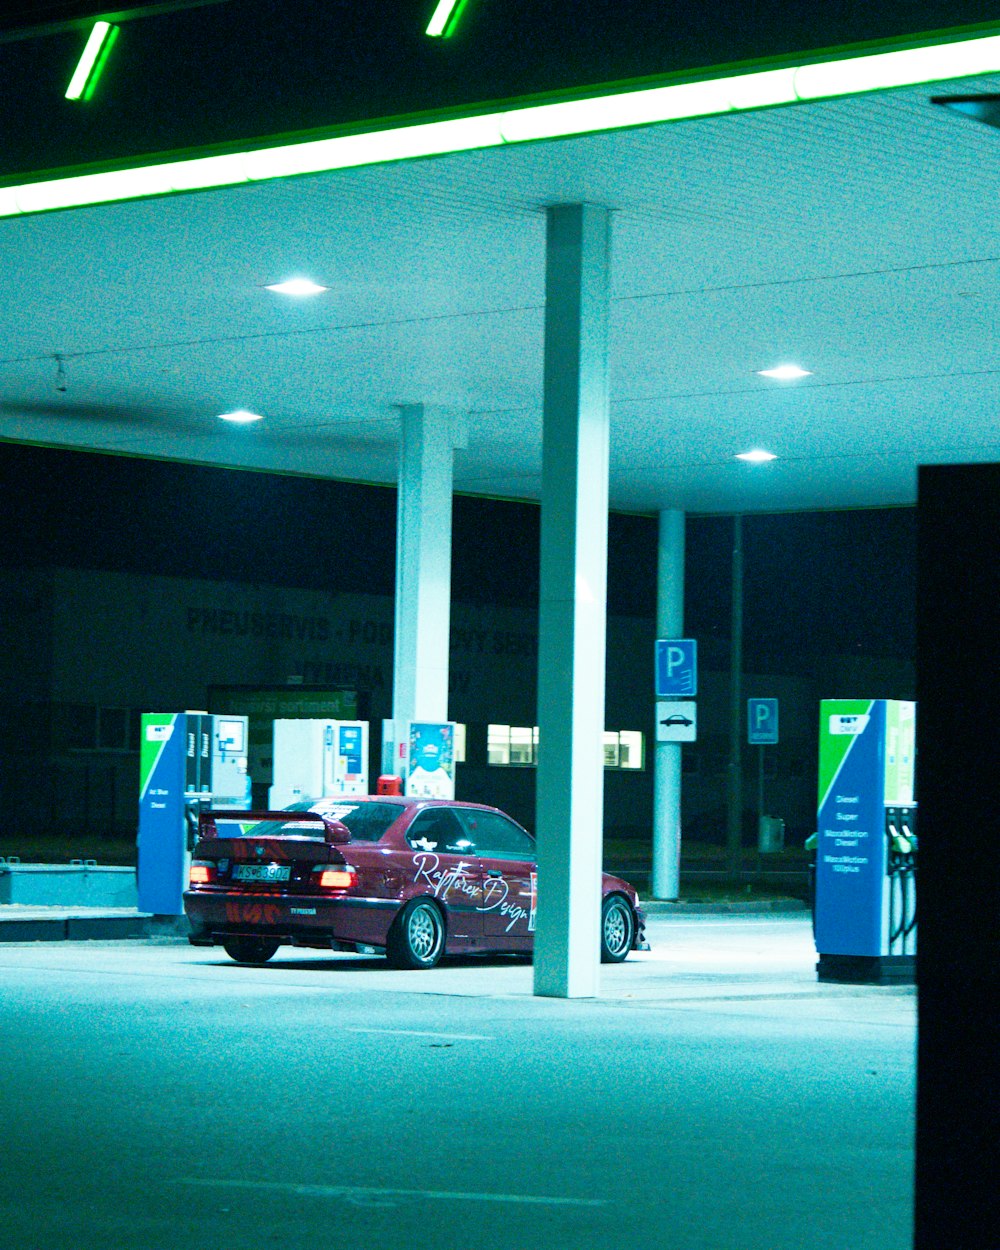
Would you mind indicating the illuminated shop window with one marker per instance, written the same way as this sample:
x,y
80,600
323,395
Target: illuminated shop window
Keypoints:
x,y
623,748
523,744
512,744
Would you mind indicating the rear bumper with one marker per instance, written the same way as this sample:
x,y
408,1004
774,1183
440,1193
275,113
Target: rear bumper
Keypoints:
x,y
306,920
302,920
641,943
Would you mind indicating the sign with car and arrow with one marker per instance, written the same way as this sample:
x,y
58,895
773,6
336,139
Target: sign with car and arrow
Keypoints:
x,y
677,721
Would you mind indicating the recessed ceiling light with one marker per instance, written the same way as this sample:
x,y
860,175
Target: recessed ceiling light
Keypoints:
x,y
756,457
242,416
785,373
296,286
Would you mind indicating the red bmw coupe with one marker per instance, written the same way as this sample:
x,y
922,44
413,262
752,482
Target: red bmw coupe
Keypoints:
x,y
417,878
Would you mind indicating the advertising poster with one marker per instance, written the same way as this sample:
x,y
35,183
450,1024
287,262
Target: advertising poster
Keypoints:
x,y
431,767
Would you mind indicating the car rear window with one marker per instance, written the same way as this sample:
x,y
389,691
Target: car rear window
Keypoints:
x,y
366,822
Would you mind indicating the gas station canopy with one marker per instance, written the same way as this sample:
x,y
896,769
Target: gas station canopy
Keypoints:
x,y
842,229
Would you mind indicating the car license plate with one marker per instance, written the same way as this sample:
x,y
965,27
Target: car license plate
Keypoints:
x,y
261,872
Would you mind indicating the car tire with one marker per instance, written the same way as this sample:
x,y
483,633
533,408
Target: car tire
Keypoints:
x,y
250,950
617,929
416,939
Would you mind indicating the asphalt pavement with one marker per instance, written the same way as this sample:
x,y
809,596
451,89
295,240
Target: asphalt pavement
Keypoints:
x,y
716,1097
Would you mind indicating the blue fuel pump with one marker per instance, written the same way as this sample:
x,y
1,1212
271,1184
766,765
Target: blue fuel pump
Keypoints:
x,y
187,760
865,909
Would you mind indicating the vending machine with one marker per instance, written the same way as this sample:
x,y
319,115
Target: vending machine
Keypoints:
x,y
866,887
187,760
318,759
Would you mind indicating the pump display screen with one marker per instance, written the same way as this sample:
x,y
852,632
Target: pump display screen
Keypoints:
x,y
231,736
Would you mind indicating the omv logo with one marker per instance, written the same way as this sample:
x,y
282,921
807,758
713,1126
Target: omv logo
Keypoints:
x,y
843,723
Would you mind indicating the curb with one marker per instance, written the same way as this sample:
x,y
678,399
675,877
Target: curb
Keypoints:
x,y
74,928
680,907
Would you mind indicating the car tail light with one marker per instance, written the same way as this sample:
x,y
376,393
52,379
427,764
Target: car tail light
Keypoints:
x,y
202,873
337,878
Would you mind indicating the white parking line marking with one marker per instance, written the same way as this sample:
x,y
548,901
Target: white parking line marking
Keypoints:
x,y
451,1037
365,1196
687,922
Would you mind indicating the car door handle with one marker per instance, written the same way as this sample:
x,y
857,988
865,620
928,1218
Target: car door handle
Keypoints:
x,y
493,872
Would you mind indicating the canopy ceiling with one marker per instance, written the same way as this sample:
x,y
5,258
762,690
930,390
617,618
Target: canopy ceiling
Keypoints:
x,y
855,238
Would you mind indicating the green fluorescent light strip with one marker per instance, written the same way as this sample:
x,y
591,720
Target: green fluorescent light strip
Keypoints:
x,y
92,62
713,97
445,18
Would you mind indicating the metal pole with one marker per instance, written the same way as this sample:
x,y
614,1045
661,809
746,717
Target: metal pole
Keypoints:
x,y
667,755
734,795
760,801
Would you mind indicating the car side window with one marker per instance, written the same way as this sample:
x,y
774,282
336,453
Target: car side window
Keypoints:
x,y
495,836
436,829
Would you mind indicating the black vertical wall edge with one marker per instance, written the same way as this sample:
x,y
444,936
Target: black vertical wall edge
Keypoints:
x,y
958,788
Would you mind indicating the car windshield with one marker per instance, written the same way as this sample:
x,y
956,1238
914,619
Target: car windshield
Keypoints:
x,y
366,822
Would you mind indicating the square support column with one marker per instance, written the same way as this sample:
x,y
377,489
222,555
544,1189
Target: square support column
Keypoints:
x,y
423,565
573,608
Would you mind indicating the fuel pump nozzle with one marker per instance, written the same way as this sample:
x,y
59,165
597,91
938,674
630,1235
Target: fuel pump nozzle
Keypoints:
x,y
908,834
899,840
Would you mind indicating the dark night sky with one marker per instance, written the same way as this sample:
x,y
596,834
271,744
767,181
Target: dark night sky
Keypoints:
x,y
815,583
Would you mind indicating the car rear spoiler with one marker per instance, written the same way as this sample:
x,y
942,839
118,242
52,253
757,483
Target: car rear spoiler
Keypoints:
x,y
333,830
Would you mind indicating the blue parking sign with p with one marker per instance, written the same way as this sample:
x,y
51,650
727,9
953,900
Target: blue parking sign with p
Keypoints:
x,y
762,722
676,667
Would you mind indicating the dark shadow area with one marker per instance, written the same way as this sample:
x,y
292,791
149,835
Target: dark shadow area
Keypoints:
x,y
957,954
346,962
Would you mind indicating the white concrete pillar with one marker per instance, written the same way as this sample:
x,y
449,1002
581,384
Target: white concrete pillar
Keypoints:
x,y
423,564
667,757
573,607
